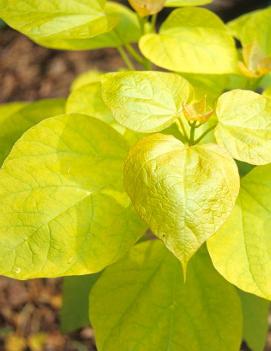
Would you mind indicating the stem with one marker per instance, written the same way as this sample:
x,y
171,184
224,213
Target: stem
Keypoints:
x,y
142,21
126,58
153,22
204,134
181,127
135,54
192,133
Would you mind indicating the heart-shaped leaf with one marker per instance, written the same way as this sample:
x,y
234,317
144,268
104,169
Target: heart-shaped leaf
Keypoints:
x,y
183,193
241,250
156,310
192,40
145,101
63,210
244,127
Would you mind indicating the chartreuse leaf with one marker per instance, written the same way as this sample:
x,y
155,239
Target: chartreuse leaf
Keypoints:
x,y
55,20
183,193
255,316
63,210
192,40
176,3
127,30
241,250
156,310
145,101
254,28
244,127
16,118
75,292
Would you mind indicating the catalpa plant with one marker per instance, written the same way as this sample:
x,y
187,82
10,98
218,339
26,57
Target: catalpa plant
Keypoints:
x,y
158,147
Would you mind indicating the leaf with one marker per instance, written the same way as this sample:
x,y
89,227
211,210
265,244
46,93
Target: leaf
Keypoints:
x,y
63,210
74,311
16,118
145,101
241,250
55,20
244,127
147,7
126,30
85,78
183,193
179,3
254,27
156,310
192,40
255,313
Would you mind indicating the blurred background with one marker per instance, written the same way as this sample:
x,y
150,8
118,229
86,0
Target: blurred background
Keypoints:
x,y
30,311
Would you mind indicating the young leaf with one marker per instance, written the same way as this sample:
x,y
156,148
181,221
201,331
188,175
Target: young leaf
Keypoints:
x,y
16,118
156,310
147,7
241,250
192,40
244,127
55,20
180,3
127,30
63,210
183,193
85,78
145,101
75,306
254,28
255,316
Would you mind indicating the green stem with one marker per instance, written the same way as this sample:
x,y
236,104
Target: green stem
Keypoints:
x,y
153,22
181,128
135,54
126,58
192,133
204,134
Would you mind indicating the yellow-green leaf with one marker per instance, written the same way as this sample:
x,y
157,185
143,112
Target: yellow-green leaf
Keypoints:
x,y
192,40
255,316
145,101
16,118
241,250
180,3
55,20
85,78
156,310
126,29
244,127
254,28
63,210
183,193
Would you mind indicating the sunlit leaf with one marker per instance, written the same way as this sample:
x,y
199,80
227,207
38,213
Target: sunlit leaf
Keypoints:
x,y
63,208
241,250
16,118
55,20
192,40
156,310
145,101
183,193
244,127
126,30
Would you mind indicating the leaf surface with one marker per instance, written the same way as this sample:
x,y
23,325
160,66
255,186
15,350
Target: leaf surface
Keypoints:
x,y
156,310
241,250
145,101
192,40
16,118
183,193
244,127
63,208
255,315
55,20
